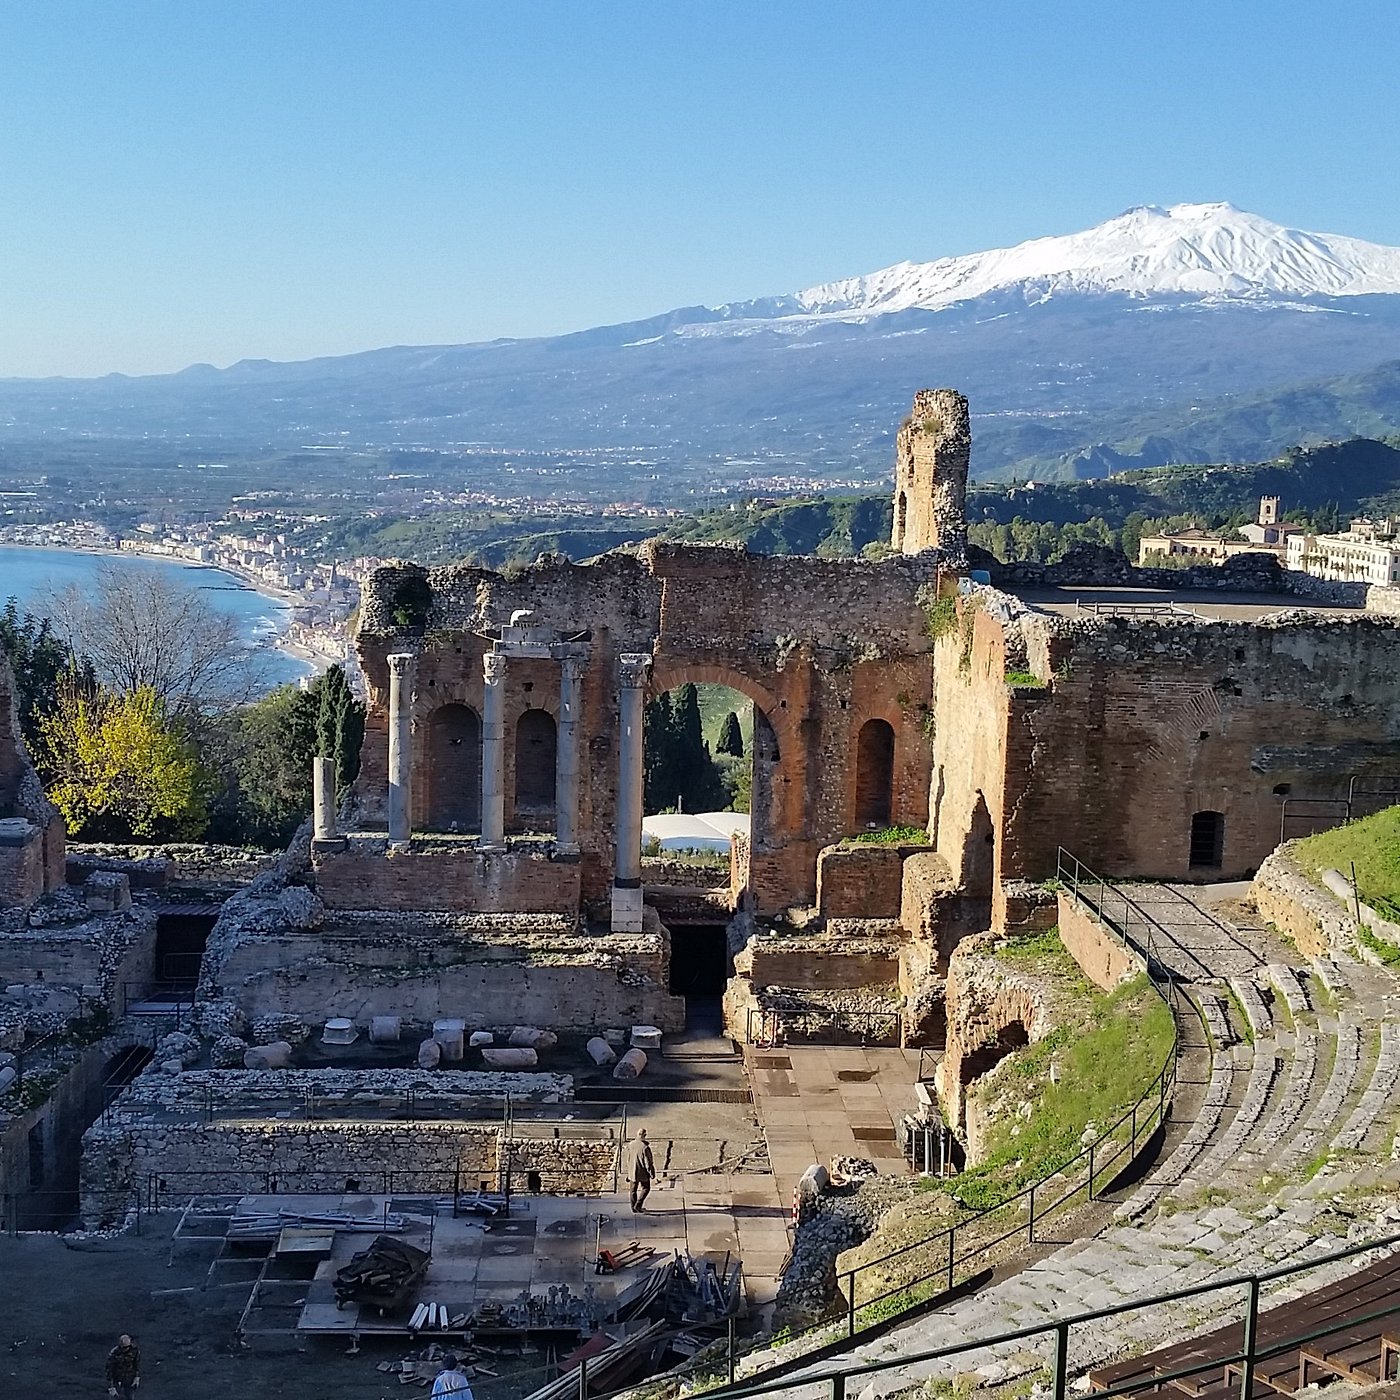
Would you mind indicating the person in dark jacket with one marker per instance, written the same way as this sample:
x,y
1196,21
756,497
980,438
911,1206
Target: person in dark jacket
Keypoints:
x,y
124,1368
641,1167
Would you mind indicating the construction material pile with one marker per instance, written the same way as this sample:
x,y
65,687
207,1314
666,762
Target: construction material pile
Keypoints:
x,y
382,1276
268,1225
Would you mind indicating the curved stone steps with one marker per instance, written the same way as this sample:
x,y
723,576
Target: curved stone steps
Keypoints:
x,y
1121,1264
1318,1128
1289,1107
1331,977
1261,1022
1288,985
1189,1149
1376,1095
1263,1075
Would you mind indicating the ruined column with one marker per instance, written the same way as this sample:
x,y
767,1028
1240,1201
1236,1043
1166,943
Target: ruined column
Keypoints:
x,y
566,757
323,799
627,879
400,746
493,795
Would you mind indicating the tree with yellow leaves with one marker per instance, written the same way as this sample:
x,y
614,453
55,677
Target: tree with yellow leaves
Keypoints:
x,y
116,768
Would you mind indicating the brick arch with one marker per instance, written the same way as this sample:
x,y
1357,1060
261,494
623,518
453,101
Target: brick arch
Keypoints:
x,y
452,742
670,675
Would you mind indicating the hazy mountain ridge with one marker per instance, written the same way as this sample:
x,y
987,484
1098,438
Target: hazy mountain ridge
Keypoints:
x,y
1157,336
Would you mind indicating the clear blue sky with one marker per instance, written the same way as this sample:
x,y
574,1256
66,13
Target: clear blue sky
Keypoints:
x,y
213,179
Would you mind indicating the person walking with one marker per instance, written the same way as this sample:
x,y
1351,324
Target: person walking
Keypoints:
x,y
451,1381
124,1368
641,1167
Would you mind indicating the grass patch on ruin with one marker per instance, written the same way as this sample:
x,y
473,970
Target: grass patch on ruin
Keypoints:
x,y
1025,680
1373,844
893,836
1105,1059
1242,1021
1386,951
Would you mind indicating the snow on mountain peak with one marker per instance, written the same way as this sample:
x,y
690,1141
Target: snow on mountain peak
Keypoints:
x,y
1204,251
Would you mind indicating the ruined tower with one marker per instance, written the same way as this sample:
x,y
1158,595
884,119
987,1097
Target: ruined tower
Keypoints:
x,y
930,476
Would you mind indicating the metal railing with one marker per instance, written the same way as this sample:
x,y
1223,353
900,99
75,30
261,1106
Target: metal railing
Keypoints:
x,y
811,1023
934,1266
840,1381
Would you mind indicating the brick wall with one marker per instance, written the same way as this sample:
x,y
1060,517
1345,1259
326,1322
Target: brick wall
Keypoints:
x,y
365,876
860,881
1101,954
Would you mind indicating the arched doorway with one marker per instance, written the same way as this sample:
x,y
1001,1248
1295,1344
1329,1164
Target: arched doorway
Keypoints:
x,y
454,769
536,753
874,774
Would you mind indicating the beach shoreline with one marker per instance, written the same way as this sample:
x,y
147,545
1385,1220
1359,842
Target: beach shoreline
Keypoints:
x,y
285,599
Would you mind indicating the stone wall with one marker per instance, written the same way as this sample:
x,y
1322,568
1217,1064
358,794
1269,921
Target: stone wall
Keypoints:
x,y
236,1131
1136,726
985,999
932,452
109,954
365,874
279,1156
821,963
1103,956
1317,924
860,881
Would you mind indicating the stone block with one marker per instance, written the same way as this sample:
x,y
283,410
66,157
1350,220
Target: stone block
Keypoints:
x,y
631,1065
533,1038
510,1057
646,1038
600,1052
385,1030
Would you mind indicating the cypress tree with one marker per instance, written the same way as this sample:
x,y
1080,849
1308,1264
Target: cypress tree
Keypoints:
x,y
731,738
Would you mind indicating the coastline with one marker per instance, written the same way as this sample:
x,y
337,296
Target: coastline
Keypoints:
x,y
278,639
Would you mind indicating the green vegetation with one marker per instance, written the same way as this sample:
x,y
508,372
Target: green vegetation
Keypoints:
x,y
39,660
1241,1017
116,766
731,738
1107,1052
1025,680
1387,952
829,526
1373,844
893,836
940,616
142,753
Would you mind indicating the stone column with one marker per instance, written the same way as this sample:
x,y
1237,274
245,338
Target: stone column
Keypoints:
x,y
400,747
566,757
323,798
493,794
627,880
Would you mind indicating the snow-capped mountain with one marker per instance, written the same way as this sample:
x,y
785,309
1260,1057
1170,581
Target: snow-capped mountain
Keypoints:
x,y
1124,343
1188,250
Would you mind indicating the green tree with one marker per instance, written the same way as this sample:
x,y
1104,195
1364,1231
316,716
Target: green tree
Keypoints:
x,y
661,767
731,738
39,661
340,725
116,767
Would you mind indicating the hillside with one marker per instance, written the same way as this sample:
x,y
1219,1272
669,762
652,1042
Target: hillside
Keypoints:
x,y
1331,481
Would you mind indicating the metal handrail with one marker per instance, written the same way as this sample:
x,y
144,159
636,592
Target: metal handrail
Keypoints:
x,y
1249,1354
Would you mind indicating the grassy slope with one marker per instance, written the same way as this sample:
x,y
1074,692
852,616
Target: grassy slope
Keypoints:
x,y
1374,844
1107,1049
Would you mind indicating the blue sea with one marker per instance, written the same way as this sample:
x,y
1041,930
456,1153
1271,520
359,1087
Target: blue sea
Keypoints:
x,y
30,574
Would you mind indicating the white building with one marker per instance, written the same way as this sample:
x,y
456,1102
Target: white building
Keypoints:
x,y
1368,552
